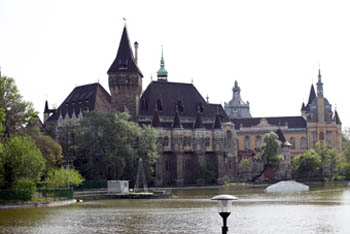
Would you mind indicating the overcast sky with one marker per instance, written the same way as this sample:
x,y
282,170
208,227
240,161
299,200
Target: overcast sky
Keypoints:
x,y
272,48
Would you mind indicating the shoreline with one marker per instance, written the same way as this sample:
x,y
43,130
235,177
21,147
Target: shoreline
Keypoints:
x,y
37,204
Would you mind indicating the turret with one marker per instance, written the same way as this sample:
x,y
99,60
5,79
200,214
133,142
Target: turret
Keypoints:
x,y
162,73
125,78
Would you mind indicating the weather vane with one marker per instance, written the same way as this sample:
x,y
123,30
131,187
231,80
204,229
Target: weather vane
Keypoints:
x,y
124,21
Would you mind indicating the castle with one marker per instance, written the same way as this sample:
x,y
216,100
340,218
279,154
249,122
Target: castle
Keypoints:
x,y
193,134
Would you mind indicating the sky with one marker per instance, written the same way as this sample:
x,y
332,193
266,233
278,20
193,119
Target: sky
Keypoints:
x,y
272,48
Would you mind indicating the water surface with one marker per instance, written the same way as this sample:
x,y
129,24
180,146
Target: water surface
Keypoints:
x,y
321,210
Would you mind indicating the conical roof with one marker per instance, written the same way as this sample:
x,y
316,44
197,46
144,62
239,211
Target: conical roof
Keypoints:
x,y
46,110
156,120
217,123
125,61
198,122
312,95
336,117
176,122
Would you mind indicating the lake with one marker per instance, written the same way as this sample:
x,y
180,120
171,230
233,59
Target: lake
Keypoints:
x,y
324,209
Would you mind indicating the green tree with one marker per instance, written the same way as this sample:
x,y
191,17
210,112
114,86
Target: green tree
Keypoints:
x,y
21,160
60,177
270,152
109,147
18,113
330,159
306,164
50,150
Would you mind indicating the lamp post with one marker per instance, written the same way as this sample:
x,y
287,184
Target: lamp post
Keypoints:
x,y
224,205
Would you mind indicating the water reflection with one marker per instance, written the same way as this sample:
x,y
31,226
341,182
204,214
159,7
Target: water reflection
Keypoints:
x,y
322,210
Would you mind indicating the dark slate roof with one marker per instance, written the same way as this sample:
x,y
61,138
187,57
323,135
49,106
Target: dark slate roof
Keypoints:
x,y
169,96
312,95
292,121
336,117
125,61
82,98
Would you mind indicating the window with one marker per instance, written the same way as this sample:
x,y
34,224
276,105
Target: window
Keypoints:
x,y
257,142
237,143
247,143
321,136
207,141
159,105
166,141
292,142
179,106
303,143
229,139
314,138
329,138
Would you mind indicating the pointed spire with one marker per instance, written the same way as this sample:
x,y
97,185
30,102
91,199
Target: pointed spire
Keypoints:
x,y
217,123
125,61
303,107
198,122
156,119
46,110
336,118
281,136
162,73
176,122
312,95
319,84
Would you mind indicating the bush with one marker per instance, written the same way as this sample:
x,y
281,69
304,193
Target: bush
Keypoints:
x,y
22,190
57,194
59,178
347,171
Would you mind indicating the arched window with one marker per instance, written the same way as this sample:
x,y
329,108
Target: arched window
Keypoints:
x,y
292,142
237,143
247,143
257,142
303,143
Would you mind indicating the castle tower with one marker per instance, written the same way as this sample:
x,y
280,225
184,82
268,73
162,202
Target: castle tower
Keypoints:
x,y
125,79
320,100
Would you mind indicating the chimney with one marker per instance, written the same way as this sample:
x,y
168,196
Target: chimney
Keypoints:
x,y
136,45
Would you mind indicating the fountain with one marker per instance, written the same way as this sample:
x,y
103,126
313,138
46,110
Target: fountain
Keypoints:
x,y
286,186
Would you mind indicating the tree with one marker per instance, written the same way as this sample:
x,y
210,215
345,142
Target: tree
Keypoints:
x,y
270,152
329,158
109,145
306,164
21,159
59,178
50,150
17,112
